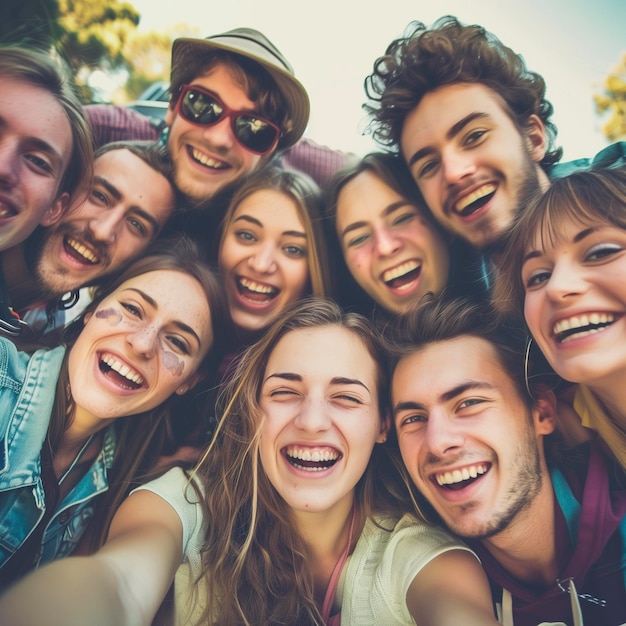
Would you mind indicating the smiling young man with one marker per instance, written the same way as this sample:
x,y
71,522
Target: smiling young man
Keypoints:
x,y
109,223
471,121
472,441
235,102
45,143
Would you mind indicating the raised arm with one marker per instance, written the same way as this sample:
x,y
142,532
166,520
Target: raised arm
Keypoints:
x,y
451,590
124,583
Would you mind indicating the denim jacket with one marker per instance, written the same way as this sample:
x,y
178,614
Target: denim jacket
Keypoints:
x,y
27,391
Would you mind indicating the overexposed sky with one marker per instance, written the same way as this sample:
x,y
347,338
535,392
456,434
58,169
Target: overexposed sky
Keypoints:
x,y
332,45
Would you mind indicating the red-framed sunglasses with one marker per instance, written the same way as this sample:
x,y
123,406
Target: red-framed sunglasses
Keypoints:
x,y
204,108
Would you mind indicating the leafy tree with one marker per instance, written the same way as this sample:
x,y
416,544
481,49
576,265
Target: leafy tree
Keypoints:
x,y
93,34
613,101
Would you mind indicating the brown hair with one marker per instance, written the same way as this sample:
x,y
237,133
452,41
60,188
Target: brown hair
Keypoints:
x,y
143,438
50,73
449,53
256,565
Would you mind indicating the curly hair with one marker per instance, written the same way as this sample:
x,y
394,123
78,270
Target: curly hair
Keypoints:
x,y
425,59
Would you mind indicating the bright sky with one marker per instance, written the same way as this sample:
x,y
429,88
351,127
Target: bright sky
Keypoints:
x,y
332,45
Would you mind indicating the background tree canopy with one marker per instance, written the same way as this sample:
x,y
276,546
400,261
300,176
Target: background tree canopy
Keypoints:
x,y
613,102
92,36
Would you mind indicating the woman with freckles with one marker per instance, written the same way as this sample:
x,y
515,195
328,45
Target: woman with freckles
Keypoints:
x,y
85,421
566,268
305,527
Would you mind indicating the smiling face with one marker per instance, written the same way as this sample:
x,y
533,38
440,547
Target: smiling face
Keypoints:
x,y
467,439
470,161
207,158
319,399
35,149
263,258
575,301
125,207
143,342
390,249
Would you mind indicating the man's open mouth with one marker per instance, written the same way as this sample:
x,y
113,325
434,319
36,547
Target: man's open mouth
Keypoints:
x,y
79,251
472,202
206,161
460,478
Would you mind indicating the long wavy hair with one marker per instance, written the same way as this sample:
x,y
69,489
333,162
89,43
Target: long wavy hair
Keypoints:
x,y
256,565
143,438
425,59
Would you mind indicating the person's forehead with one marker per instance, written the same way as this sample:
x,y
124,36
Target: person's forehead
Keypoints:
x,y
35,113
442,365
449,105
274,209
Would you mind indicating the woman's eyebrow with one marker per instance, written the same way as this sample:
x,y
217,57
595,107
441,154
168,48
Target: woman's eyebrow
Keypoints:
x,y
152,302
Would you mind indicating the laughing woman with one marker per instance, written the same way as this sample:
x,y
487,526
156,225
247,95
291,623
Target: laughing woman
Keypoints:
x,y
303,528
390,245
567,270
81,423
272,250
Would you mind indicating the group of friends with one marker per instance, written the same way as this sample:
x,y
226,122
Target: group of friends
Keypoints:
x,y
249,379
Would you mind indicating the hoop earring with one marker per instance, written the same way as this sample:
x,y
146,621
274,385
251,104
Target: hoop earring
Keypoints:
x,y
526,366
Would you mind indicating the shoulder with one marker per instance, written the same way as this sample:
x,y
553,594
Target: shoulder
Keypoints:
x,y
388,556
16,366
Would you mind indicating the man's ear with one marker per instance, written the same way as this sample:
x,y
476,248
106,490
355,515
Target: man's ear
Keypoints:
x,y
169,114
385,425
536,139
56,210
544,412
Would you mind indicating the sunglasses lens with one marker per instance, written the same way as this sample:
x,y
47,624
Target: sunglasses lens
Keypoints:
x,y
200,108
254,133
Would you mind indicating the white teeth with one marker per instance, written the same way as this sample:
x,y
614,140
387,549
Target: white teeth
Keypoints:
x,y
400,270
457,476
582,321
479,193
5,211
122,369
252,285
206,160
79,248
316,455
